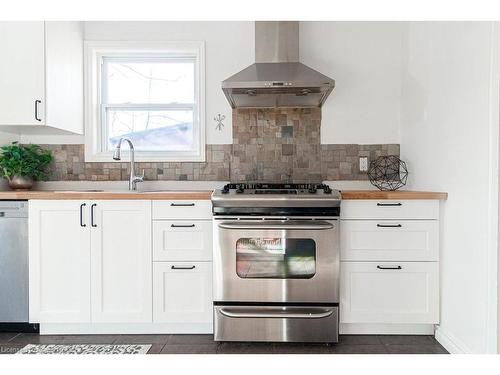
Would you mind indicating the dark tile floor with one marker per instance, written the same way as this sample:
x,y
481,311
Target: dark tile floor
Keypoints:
x,y
204,344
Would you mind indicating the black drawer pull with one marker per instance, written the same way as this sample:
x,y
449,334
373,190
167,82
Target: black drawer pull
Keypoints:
x,y
81,215
182,268
92,224
37,102
389,204
182,225
389,268
182,204
389,225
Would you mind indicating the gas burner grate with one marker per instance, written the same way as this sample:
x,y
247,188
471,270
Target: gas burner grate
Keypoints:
x,y
276,188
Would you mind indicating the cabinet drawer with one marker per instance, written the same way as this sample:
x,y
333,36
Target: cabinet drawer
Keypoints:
x,y
182,292
383,240
182,210
389,292
182,240
390,209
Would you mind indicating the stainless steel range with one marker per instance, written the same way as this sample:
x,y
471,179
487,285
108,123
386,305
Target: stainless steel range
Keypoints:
x,y
276,262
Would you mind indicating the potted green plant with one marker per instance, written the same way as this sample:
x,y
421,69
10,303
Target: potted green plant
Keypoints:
x,y
22,164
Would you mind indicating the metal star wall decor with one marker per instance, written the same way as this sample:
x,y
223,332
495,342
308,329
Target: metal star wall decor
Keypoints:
x,y
219,118
388,172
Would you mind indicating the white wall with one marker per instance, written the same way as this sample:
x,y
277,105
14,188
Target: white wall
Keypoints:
x,y
6,138
449,138
364,58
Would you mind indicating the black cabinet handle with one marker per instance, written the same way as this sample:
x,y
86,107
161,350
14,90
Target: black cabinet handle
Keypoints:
x,y
182,225
182,204
92,215
182,268
82,224
36,110
389,225
389,268
389,204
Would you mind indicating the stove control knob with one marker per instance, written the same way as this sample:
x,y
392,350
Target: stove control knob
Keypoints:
x,y
327,189
240,190
312,190
225,190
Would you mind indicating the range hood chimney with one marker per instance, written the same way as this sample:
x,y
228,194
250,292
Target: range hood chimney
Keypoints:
x,y
277,79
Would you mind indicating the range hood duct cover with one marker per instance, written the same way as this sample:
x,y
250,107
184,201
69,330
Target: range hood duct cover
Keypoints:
x,y
277,79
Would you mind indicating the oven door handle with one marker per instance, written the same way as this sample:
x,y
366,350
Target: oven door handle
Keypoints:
x,y
301,313
268,225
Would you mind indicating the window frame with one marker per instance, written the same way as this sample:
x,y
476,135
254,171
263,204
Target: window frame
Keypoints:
x,y
95,51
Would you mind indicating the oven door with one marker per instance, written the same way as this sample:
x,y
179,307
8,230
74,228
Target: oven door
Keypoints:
x,y
292,261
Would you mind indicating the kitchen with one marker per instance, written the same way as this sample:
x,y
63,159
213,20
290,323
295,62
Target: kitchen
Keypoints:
x,y
159,246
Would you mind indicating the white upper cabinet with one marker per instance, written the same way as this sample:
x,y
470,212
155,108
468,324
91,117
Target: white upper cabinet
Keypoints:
x,y
22,73
41,77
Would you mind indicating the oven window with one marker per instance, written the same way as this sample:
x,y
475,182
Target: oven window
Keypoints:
x,y
275,258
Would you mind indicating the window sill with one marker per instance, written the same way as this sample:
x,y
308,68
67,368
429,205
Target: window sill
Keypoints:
x,y
153,157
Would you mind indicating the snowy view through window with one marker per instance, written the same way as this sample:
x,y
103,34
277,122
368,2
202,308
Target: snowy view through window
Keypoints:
x,y
150,101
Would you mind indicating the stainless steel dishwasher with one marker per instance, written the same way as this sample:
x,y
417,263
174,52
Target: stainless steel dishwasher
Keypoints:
x,y
14,267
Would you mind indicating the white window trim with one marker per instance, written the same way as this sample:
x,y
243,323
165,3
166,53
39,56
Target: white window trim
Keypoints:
x,y
93,53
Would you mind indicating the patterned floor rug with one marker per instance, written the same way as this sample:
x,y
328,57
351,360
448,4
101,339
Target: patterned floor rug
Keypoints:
x,y
84,349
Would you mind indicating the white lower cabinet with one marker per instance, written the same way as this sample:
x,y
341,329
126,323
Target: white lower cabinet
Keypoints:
x,y
90,253
389,269
121,259
182,292
182,265
59,262
389,292
92,268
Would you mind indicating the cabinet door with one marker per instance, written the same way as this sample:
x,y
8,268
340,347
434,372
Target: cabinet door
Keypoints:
x,y
59,262
389,292
384,240
182,292
182,240
121,261
22,73
64,75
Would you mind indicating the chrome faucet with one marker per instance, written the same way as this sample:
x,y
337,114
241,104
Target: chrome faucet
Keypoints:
x,y
133,179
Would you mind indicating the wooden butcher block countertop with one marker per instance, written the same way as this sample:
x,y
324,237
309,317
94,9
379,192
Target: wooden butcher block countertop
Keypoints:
x,y
198,195
394,195
105,195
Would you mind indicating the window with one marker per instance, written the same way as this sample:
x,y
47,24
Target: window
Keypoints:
x,y
151,93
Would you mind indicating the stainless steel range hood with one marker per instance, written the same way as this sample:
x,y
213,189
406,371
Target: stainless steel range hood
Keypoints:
x,y
277,79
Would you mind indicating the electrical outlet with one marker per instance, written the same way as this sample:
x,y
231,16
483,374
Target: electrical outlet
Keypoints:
x,y
363,163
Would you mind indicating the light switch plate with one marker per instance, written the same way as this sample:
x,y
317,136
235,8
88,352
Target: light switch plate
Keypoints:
x,y
363,163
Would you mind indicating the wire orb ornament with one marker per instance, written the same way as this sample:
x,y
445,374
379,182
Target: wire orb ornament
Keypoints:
x,y
388,173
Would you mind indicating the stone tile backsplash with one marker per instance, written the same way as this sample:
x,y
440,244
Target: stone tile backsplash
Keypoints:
x,y
274,145
69,165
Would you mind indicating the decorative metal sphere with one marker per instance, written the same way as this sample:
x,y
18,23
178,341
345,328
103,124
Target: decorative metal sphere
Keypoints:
x,y
388,172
